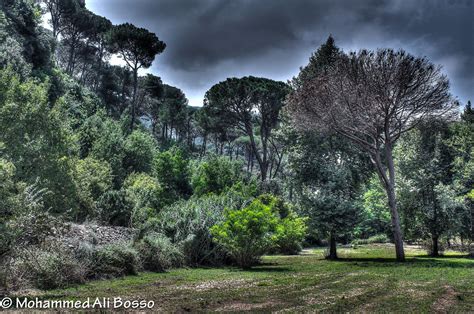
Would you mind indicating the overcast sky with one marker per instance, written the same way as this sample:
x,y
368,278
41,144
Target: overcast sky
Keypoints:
x,y
210,40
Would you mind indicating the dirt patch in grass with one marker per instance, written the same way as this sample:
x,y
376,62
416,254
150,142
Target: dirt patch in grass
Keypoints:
x,y
447,300
243,306
414,290
219,284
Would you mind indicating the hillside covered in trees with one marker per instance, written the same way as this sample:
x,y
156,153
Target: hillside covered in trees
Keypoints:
x,y
358,148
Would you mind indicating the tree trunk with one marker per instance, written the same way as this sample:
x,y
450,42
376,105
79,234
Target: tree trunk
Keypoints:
x,y
248,159
134,98
204,145
332,247
392,202
262,161
396,229
435,246
153,127
291,192
70,62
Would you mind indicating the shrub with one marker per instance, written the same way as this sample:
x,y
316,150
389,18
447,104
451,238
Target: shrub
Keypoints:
x,y
187,224
172,167
290,234
145,194
139,151
93,178
114,208
157,253
291,229
8,201
115,260
49,268
215,174
379,238
248,233
108,144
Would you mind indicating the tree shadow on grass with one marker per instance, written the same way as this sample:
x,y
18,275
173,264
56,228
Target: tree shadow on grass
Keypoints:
x,y
421,261
265,269
461,256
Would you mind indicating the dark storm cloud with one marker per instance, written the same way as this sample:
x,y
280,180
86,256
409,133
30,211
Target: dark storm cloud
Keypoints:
x,y
210,40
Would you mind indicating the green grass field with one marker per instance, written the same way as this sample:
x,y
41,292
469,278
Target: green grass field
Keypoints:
x,y
365,279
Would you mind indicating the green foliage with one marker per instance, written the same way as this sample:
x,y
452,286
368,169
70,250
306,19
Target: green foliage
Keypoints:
x,y
67,151
378,238
157,253
328,176
31,223
8,204
114,208
36,139
52,268
138,48
135,45
11,55
248,233
173,112
187,224
291,229
424,163
108,144
7,188
319,61
462,143
25,45
78,104
375,216
93,178
115,260
290,233
172,167
145,194
139,149
215,174
247,103
470,195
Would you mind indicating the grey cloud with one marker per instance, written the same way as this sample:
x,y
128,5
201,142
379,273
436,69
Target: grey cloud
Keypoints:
x,y
209,40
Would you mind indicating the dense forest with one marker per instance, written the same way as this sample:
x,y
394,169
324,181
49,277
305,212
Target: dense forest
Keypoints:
x,y
359,147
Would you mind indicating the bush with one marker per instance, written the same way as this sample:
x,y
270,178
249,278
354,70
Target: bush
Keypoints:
x,y
157,253
145,194
248,233
187,224
291,229
290,234
48,268
8,201
215,174
172,167
379,238
114,208
93,178
108,144
115,260
29,125
139,151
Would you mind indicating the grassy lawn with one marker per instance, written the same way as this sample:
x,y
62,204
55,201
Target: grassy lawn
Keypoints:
x,y
366,279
